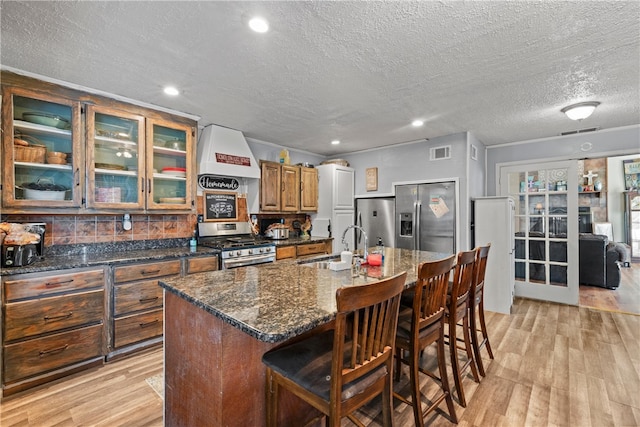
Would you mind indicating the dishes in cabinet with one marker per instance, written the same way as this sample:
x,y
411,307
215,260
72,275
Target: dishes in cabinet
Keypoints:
x,y
46,119
180,172
43,189
172,200
110,166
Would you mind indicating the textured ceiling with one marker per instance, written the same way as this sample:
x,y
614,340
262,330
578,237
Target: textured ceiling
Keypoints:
x,y
354,71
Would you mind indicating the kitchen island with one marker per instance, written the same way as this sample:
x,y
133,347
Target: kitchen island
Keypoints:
x,y
219,324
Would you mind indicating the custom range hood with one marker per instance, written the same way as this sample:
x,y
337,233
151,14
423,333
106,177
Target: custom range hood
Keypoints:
x,y
223,151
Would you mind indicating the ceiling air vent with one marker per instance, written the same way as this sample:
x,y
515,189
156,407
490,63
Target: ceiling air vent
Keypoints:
x,y
573,132
440,153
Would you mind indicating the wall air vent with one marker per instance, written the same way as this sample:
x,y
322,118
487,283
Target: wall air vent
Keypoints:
x,y
440,153
573,132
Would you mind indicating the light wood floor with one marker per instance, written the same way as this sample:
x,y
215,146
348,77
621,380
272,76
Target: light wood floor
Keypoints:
x,y
555,365
626,298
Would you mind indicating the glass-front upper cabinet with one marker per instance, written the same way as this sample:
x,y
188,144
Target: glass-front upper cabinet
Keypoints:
x,y
115,159
170,169
42,164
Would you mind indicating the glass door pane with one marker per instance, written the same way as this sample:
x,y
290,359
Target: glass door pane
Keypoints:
x,y
546,229
170,175
116,159
44,166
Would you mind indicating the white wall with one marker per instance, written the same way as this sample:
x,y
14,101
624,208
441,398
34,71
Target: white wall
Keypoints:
x,y
604,143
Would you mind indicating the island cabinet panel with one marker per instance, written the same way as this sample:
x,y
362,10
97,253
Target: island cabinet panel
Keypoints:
x,y
225,366
28,358
34,317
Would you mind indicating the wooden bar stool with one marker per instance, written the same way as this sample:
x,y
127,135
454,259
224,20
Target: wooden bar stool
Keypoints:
x,y
420,326
477,307
340,370
458,311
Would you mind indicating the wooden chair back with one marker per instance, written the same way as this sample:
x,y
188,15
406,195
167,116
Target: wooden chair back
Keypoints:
x,y
482,255
366,324
430,295
463,278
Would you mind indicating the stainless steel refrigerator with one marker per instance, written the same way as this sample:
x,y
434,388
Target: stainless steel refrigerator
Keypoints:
x,y
377,217
426,217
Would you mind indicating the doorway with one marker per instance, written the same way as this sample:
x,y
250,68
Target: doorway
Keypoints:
x,y
546,229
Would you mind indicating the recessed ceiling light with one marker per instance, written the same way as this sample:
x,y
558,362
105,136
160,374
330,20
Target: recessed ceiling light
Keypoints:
x,y
335,142
259,25
417,123
170,90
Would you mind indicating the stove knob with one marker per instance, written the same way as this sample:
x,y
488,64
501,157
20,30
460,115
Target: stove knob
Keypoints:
x,y
249,251
238,253
261,250
267,249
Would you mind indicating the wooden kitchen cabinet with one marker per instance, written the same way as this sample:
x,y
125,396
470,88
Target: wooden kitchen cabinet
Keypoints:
x,y
46,123
286,188
137,311
136,160
312,249
202,264
53,326
308,189
285,252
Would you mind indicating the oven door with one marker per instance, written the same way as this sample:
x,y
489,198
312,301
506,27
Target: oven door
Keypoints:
x,y
244,261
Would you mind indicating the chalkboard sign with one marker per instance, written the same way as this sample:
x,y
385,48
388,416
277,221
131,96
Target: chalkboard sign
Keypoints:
x,y
220,206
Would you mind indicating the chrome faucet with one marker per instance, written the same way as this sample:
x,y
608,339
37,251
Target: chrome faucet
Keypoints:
x,y
365,252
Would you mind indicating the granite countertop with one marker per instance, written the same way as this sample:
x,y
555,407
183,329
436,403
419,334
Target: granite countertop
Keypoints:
x,y
112,256
278,301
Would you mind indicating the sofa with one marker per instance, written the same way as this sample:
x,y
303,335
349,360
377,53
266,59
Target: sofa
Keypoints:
x,y
598,261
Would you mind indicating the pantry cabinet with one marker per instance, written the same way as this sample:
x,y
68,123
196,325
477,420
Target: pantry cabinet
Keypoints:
x,y
286,188
90,154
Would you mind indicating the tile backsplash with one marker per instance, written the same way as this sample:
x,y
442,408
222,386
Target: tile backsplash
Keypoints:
x,y
73,229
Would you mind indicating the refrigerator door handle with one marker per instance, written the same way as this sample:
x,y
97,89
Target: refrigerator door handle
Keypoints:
x,y
416,236
358,232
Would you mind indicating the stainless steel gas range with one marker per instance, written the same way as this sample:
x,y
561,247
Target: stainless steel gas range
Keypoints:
x,y
238,247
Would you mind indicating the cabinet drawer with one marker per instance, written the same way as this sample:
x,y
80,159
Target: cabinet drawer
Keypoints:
x,y
39,355
34,317
42,286
198,265
150,270
137,296
286,252
137,327
311,249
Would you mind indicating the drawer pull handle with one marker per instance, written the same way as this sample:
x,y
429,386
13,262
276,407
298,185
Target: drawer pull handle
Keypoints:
x,y
54,284
153,322
150,272
143,300
54,350
60,317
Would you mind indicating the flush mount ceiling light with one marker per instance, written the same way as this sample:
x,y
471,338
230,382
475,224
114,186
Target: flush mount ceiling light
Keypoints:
x,y
581,110
170,90
259,25
335,142
417,123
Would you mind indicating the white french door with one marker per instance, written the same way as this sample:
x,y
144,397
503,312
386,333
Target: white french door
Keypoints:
x,y
546,229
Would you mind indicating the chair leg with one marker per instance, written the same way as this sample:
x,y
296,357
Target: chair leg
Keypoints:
x,y
416,399
398,363
387,402
444,378
474,340
272,399
455,366
467,345
483,327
